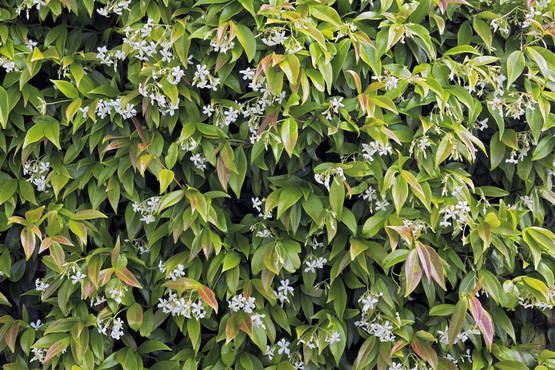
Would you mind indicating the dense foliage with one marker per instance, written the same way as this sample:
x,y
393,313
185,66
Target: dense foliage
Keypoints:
x,y
286,185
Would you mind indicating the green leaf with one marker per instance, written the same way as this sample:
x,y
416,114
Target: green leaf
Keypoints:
x,y
165,177
326,14
457,320
337,196
66,88
483,30
400,193
4,107
289,135
231,260
135,316
246,39
515,66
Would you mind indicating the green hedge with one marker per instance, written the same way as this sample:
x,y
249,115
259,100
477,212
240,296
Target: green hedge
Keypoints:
x,y
314,184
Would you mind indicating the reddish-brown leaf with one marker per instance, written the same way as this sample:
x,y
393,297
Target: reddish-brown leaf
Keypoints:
x,y
244,322
127,277
105,275
413,272
11,335
437,267
425,351
62,240
115,252
56,349
45,244
208,297
483,320
404,231
425,260
401,343
89,290
28,242
223,173
231,329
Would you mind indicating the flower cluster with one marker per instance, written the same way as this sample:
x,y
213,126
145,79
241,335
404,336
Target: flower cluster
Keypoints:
x,y
41,285
116,7
199,161
152,91
105,108
370,149
284,290
461,337
178,272
8,64
459,214
242,303
179,306
524,146
116,328
204,80
117,294
382,331
273,36
324,178
313,263
37,172
147,209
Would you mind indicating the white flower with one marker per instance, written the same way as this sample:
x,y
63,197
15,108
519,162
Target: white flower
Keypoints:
x,y
382,205
283,346
283,291
103,12
369,301
335,337
117,329
161,267
39,354
370,149
315,263
275,36
391,82
8,64
269,352
202,78
264,233
240,302
381,331
483,124
178,272
198,310
116,294
177,73
199,161
31,44
459,213
257,320
40,285
99,300
36,325
248,73
84,110
396,366
208,110
336,103
77,277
